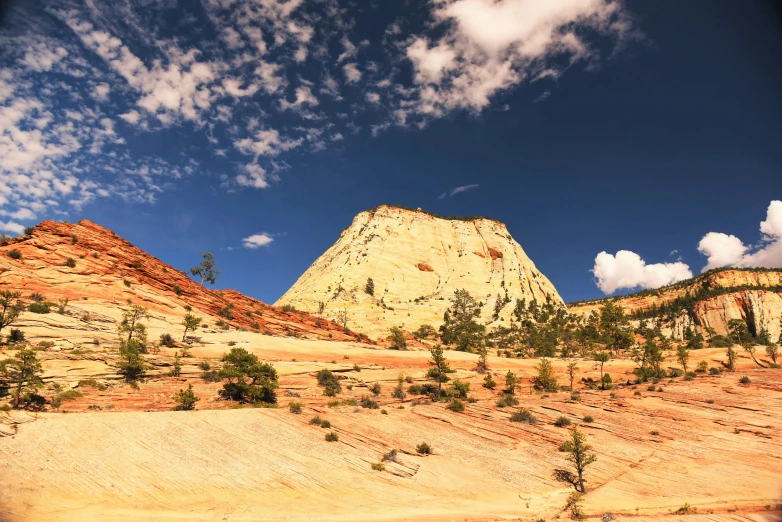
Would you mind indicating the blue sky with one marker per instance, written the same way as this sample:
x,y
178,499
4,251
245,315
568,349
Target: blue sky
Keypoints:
x,y
625,144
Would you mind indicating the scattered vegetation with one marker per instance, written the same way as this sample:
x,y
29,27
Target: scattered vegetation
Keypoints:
x,y
424,449
207,270
562,422
249,380
21,373
14,254
330,383
579,455
332,437
294,407
186,399
70,263
524,416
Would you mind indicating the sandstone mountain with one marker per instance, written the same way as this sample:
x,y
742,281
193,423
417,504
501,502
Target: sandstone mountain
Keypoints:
x,y
106,272
707,301
416,261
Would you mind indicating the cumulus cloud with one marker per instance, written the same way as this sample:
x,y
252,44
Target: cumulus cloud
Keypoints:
x,y
457,190
627,270
728,250
257,240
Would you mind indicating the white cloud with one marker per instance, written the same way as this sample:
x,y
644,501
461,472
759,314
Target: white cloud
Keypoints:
x,y
457,190
12,227
254,176
628,270
267,142
728,250
101,92
352,74
131,116
257,240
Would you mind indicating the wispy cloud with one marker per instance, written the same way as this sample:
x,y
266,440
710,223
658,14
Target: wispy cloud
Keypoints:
x,y
457,190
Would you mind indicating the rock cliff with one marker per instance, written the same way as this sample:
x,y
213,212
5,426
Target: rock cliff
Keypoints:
x,y
708,301
107,271
417,261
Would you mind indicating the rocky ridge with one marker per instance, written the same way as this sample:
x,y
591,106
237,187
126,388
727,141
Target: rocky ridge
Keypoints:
x,y
108,271
416,261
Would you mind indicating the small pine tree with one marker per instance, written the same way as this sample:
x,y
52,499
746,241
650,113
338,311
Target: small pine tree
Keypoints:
x,y
370,287
489,382
22,372
545,379
10,307
191,323
578,454
439,367
186,399
683,356
207,270
511,383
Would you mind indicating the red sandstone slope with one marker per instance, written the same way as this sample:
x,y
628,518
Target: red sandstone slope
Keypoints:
x,y
109,268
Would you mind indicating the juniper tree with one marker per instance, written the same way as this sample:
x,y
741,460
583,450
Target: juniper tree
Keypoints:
x,y
571,371
131,364
10,307
545,380
683,355
132,326
511,382
398,340
439,367
186,399
370,287
191,323
460,326
22,372
207,270
602,358
249,380
579,455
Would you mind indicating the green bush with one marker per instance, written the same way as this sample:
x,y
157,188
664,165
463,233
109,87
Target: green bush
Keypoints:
x,y
177,290
74,239
167,340
127,282
378,466
456,405
294,407
15,336
714,371
524,416
329,381
39,308
249,380
227,311
460,389
744,380
14,254
589,418
205,366
332,437
325,424
70,263
316,420
93,384
507,400
186,399
366,402
424,449
211,376
562,421
288,308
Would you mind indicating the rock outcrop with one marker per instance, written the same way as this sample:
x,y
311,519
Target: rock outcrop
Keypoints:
x,y
754,296
107,271
417,261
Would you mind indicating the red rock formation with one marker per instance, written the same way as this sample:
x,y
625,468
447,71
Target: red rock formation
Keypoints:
x,y
110,268
423,267
495,254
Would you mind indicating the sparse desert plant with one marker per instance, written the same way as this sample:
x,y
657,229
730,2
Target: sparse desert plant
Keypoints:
x,y
439,367
227,311
70,263
205,366
167,340
562,421
390,456
489,382
375,389
249,379
460,389
93,383
399,392
579,454
745,380
456,405
523,416
325,424
288,308
397,338
378,466
507,400
177,290
424,449
294,407
573,506
38,308
588,419
329,381
22,373
207,270
332,437
74,239
14,254
511,383
772,350
10,307
15,336
654,432
367,402
191,324
714,371
702,367
186,399
176,370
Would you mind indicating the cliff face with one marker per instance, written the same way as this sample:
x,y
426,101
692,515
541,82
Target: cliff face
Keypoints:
x,y
752,296
109,271
416,262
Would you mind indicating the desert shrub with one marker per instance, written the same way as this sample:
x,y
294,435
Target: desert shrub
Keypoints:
x,y
375,389
460,389
332,437
316,420
329,381
415,389
205,366
221,324
562,421
14,254
167,340
28,231
399,392
249,380
74,239
589,418
15,336
95,256
37,297
575,396
70,395
489,382
710,401
636,393
651,388
720,341
294,407
256,326
127,282
177,290
70,263
424,449
136,263
456,405
654,432
39,308
176,370
507,400
211,376
325,424
744,380
545,380
397,338
93,384
390,456
524,416
288,308
366,402
227,311
185,399
675,372
702,367
378,466
409,379
714,371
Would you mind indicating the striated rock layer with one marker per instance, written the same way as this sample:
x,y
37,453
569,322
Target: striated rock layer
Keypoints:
x,y
417,261
750,295
109,271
